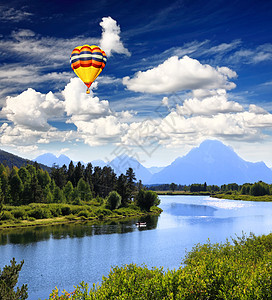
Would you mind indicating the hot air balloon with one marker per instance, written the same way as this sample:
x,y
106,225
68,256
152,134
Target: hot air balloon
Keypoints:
x,y
88,62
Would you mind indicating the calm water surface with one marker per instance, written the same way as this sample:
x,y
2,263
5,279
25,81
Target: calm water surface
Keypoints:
x,y
68,254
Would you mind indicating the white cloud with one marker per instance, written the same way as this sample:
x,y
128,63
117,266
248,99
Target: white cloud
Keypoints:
x,y
209,105
196,120
32,109
82,107
110,41
101,131
257,109
180,74
13,15
260,54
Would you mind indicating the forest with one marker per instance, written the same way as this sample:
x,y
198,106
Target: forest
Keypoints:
x,y
29,193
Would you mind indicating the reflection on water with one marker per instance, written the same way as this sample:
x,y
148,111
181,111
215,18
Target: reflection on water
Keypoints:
x,y
180,209
73,230
65,255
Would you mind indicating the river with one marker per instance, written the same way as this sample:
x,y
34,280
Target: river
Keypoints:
x,y
65,255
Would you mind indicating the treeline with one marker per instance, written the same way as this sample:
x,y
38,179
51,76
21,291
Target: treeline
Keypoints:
x,y
72,185
254,189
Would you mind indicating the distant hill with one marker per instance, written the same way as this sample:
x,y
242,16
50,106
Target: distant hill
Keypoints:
x,y
10,160
154,170
98,163
214,163
50,159
121,163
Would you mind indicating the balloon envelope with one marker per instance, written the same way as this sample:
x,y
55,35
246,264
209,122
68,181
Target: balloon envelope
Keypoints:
x,y
88,62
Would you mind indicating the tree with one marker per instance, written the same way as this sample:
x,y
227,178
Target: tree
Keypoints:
x,y
24,175
67,191
78,173
8,280
70,173
146,199
259,189
58,195
59,176
131,178
16,188
88,174
173,186
43,178
113,200
84,190
122,189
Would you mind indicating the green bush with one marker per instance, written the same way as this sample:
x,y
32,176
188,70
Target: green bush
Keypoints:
x,y
103,211
238,270
40,213
55,210
113,200
65,210
84,213
6,215
20,213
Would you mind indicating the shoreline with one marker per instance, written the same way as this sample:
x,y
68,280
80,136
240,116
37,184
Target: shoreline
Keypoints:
x,y
69,220
265,198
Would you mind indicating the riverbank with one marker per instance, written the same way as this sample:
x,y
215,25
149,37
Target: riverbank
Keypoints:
x,y
234,196
211,271
13,217
228,196
182,193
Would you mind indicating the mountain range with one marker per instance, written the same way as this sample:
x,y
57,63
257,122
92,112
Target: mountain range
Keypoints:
x,y
212,162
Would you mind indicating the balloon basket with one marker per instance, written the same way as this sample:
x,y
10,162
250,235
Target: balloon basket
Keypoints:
x,y
87,91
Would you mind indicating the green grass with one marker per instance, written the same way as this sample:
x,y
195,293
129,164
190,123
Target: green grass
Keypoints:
x,y
50,214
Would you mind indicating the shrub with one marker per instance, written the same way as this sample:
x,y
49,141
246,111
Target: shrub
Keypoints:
x,y
147,199
65,210
20,213
55,210
238,270
40,213
113,200
84,213
6,215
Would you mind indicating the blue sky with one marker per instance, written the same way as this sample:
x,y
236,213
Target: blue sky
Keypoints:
x,y
177,73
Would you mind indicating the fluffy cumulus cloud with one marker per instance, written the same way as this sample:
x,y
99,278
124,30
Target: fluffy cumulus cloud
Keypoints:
x,y
82,107
111,41
101,131
28,118
196,120
30,115
176,74
31,109
209,106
